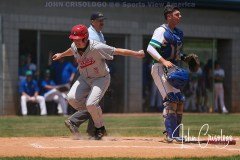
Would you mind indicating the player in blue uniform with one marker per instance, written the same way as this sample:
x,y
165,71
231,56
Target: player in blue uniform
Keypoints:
x,y
51,93
29,92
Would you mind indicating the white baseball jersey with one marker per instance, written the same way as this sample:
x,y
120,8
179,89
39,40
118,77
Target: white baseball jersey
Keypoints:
x,y
219,73
92,63
167,43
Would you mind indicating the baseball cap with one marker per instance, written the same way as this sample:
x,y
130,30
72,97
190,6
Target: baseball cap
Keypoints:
x,y
169,9
28,73
97,15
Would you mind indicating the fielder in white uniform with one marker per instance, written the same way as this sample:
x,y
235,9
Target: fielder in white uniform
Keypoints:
x,y
219,75
94,79
165,47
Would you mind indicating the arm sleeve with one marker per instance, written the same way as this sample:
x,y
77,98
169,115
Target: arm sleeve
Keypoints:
x,y
158,38
106,51
153,52
156,43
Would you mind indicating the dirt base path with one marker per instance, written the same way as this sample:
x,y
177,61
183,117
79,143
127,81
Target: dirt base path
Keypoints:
x,y
108,147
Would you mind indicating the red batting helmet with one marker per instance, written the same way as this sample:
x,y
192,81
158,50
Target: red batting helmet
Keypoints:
x,y
78,32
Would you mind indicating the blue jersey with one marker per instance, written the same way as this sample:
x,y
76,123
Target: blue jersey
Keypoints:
x,y
29,87
44,84
168,43
63,72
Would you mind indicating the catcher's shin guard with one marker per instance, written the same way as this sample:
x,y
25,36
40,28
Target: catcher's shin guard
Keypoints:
x,y
181,99
171,124
170,119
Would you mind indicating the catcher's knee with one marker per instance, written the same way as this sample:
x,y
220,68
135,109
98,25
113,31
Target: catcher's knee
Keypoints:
x,y
181,98
173,103
170,108
170,98
175,97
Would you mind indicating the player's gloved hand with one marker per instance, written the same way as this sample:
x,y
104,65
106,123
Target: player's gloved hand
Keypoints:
x,y
57,56
140,54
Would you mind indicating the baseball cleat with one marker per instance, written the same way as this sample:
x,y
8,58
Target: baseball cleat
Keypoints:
x,y
224,110
100,132
73,129
179,139
168,139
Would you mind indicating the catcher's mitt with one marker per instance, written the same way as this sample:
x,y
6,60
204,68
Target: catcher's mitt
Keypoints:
x,y
193,62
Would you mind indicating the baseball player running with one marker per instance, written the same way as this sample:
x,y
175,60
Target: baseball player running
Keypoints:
x,y
94,78
165,47
95,33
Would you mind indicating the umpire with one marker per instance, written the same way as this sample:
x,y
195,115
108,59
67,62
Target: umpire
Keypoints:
x,y
96,27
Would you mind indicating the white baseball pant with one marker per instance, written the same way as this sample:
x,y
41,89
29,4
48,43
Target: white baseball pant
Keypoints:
x,y
39,99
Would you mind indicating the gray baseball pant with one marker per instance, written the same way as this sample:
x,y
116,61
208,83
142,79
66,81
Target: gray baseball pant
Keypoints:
x,y
80,117
87,92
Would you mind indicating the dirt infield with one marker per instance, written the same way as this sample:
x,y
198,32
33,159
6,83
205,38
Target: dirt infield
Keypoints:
x,y
108,147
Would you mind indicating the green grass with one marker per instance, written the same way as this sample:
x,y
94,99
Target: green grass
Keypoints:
x,y
210,158
118,125
144,125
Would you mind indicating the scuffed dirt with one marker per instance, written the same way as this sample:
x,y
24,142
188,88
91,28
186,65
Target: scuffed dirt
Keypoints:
x,y
108,147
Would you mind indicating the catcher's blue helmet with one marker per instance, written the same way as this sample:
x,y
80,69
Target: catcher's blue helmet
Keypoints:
x,y
178,78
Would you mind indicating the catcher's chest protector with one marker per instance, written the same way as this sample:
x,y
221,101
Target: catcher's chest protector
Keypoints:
x,y
173,43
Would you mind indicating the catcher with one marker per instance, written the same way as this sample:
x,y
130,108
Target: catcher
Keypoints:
x,y
165,47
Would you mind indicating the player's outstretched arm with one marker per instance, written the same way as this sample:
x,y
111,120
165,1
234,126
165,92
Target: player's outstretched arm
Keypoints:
x,y
58,56
127,52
